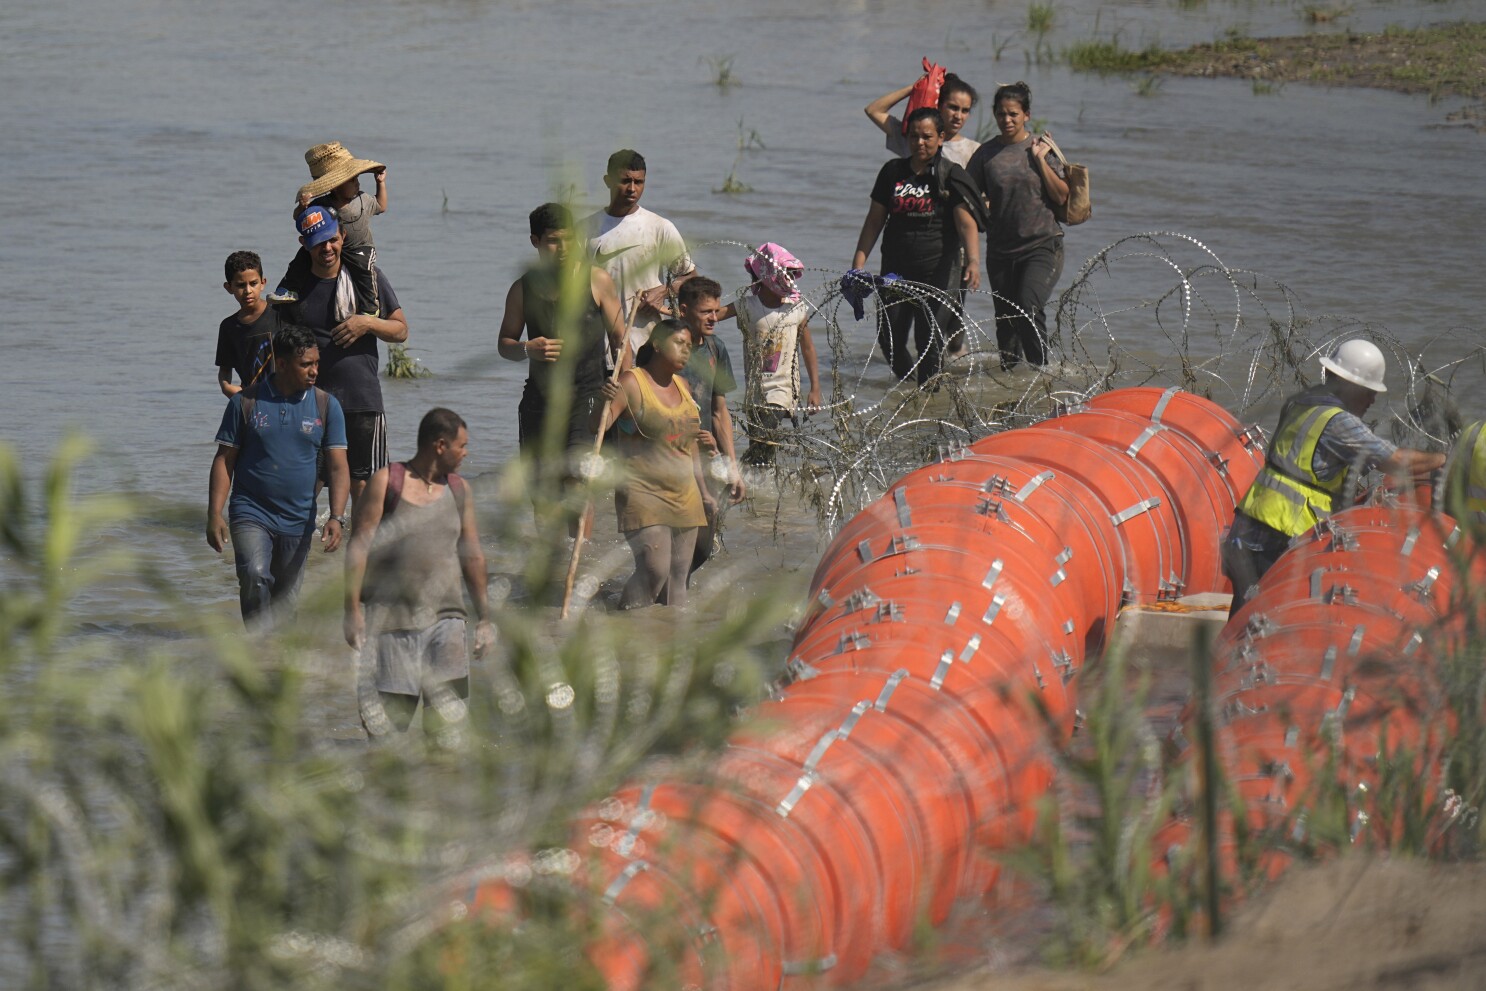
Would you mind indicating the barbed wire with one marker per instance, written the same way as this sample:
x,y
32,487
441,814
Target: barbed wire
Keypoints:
x,y
1158,307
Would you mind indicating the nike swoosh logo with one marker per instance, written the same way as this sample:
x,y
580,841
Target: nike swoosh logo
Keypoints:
x,y
605,257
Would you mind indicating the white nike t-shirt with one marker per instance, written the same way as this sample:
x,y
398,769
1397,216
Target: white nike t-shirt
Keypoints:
x,y
639,251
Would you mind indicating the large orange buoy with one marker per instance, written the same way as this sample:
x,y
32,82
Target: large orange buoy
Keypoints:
x,y
1137,503
908,742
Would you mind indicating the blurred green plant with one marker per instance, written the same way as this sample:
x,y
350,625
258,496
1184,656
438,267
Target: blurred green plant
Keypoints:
x,y
173,815
1094,859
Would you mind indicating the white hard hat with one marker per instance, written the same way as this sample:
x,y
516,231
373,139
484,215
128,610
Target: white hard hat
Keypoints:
x,y
1359,362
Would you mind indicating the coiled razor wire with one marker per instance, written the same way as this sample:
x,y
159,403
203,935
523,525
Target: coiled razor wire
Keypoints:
x,y
1154,308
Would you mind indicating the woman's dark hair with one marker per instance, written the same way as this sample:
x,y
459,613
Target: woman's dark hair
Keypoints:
x,y
1018,91
925,113
666,328
293,340
954,84
550,217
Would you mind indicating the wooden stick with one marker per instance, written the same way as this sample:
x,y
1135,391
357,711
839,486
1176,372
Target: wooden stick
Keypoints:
x,y
598,447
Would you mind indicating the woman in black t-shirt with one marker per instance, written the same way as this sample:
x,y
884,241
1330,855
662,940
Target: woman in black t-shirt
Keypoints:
x,y
924,206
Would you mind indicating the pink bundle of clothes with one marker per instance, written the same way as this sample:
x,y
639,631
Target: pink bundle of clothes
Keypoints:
x,y
772,266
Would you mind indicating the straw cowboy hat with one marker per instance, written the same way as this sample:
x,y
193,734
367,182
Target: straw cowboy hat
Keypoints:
x,y
330,165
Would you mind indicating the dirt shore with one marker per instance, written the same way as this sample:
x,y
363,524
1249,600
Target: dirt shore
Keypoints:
x,y
1359,922
1447,60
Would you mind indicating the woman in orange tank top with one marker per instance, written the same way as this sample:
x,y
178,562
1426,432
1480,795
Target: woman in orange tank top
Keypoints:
x,y
661,499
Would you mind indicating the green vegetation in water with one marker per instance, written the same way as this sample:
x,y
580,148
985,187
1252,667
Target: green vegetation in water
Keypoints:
x,y
1099,55
748,140
1441,60
402,365
722,70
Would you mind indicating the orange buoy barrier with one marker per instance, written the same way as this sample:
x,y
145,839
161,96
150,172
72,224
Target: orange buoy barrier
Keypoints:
x,y
1332,671
935,664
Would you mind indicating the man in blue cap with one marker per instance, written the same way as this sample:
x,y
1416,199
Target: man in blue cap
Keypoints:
x,y
349,358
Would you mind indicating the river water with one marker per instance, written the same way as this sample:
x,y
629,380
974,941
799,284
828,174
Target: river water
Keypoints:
x,y
147,139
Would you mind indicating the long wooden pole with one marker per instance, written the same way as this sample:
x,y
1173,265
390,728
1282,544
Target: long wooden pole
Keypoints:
x,y
598,447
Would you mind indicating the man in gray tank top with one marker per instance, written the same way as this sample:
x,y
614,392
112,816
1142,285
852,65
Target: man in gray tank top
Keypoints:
x,y
414,553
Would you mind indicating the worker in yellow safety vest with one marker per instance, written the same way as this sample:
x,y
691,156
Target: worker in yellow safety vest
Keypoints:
x,y
1319,443
1465,482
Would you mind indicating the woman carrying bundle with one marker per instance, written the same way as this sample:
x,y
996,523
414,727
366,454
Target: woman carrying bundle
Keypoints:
x,y
926,209
661,500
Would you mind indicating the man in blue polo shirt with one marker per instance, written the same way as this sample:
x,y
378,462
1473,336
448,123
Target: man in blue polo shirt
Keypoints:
x,y
267,447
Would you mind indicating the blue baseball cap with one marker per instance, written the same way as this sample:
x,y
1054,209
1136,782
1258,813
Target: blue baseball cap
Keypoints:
x,y
317,224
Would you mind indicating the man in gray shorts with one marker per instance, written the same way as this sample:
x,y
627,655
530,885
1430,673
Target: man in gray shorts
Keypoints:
x,y
414,553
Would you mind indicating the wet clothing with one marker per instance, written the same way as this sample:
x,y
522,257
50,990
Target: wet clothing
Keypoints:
x,y
360,264
350,373
663,557
708,373
247,348
1024,246
920,243
588,341
1021,288
771,351
407,662
640,250
658,441
413,576
1021,215
273,482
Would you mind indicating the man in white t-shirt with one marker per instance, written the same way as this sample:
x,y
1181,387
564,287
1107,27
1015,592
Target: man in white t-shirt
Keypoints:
x,y
642,251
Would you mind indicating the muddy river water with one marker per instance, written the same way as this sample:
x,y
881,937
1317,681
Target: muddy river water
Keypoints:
x,y
145,140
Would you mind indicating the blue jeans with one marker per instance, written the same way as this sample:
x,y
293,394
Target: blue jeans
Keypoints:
x,y
269,567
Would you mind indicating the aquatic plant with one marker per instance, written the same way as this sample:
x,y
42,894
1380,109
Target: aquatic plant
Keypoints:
x,y
402,365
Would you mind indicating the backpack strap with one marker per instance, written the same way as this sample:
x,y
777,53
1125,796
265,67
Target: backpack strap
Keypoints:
x,y
249,401
397,474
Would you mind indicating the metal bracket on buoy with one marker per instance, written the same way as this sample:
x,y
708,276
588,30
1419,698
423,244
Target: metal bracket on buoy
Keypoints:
x,y
860,599
1253,435
893,681
1412,647
1328,663
1128,593
850,722
1409,541
945,660
1037,673
852,641
991,576
888,612
1126,515
993,610
1170,589
971,646
1258,627
1162,402
799,669
997,484
616,886
1133,451
900,499
951,617
1063,661
1033,484
1219,463
1424,587
1345,593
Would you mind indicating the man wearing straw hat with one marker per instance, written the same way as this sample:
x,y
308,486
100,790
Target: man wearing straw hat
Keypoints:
x,y
335,181
348,341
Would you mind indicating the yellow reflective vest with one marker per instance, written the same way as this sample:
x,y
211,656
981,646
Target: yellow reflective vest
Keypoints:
x,y
1287,496
1465,485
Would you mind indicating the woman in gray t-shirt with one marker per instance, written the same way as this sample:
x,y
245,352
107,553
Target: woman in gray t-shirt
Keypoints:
x,y
1024,242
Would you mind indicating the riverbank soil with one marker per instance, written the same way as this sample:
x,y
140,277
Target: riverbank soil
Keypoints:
x,y
1359,922
1447,60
